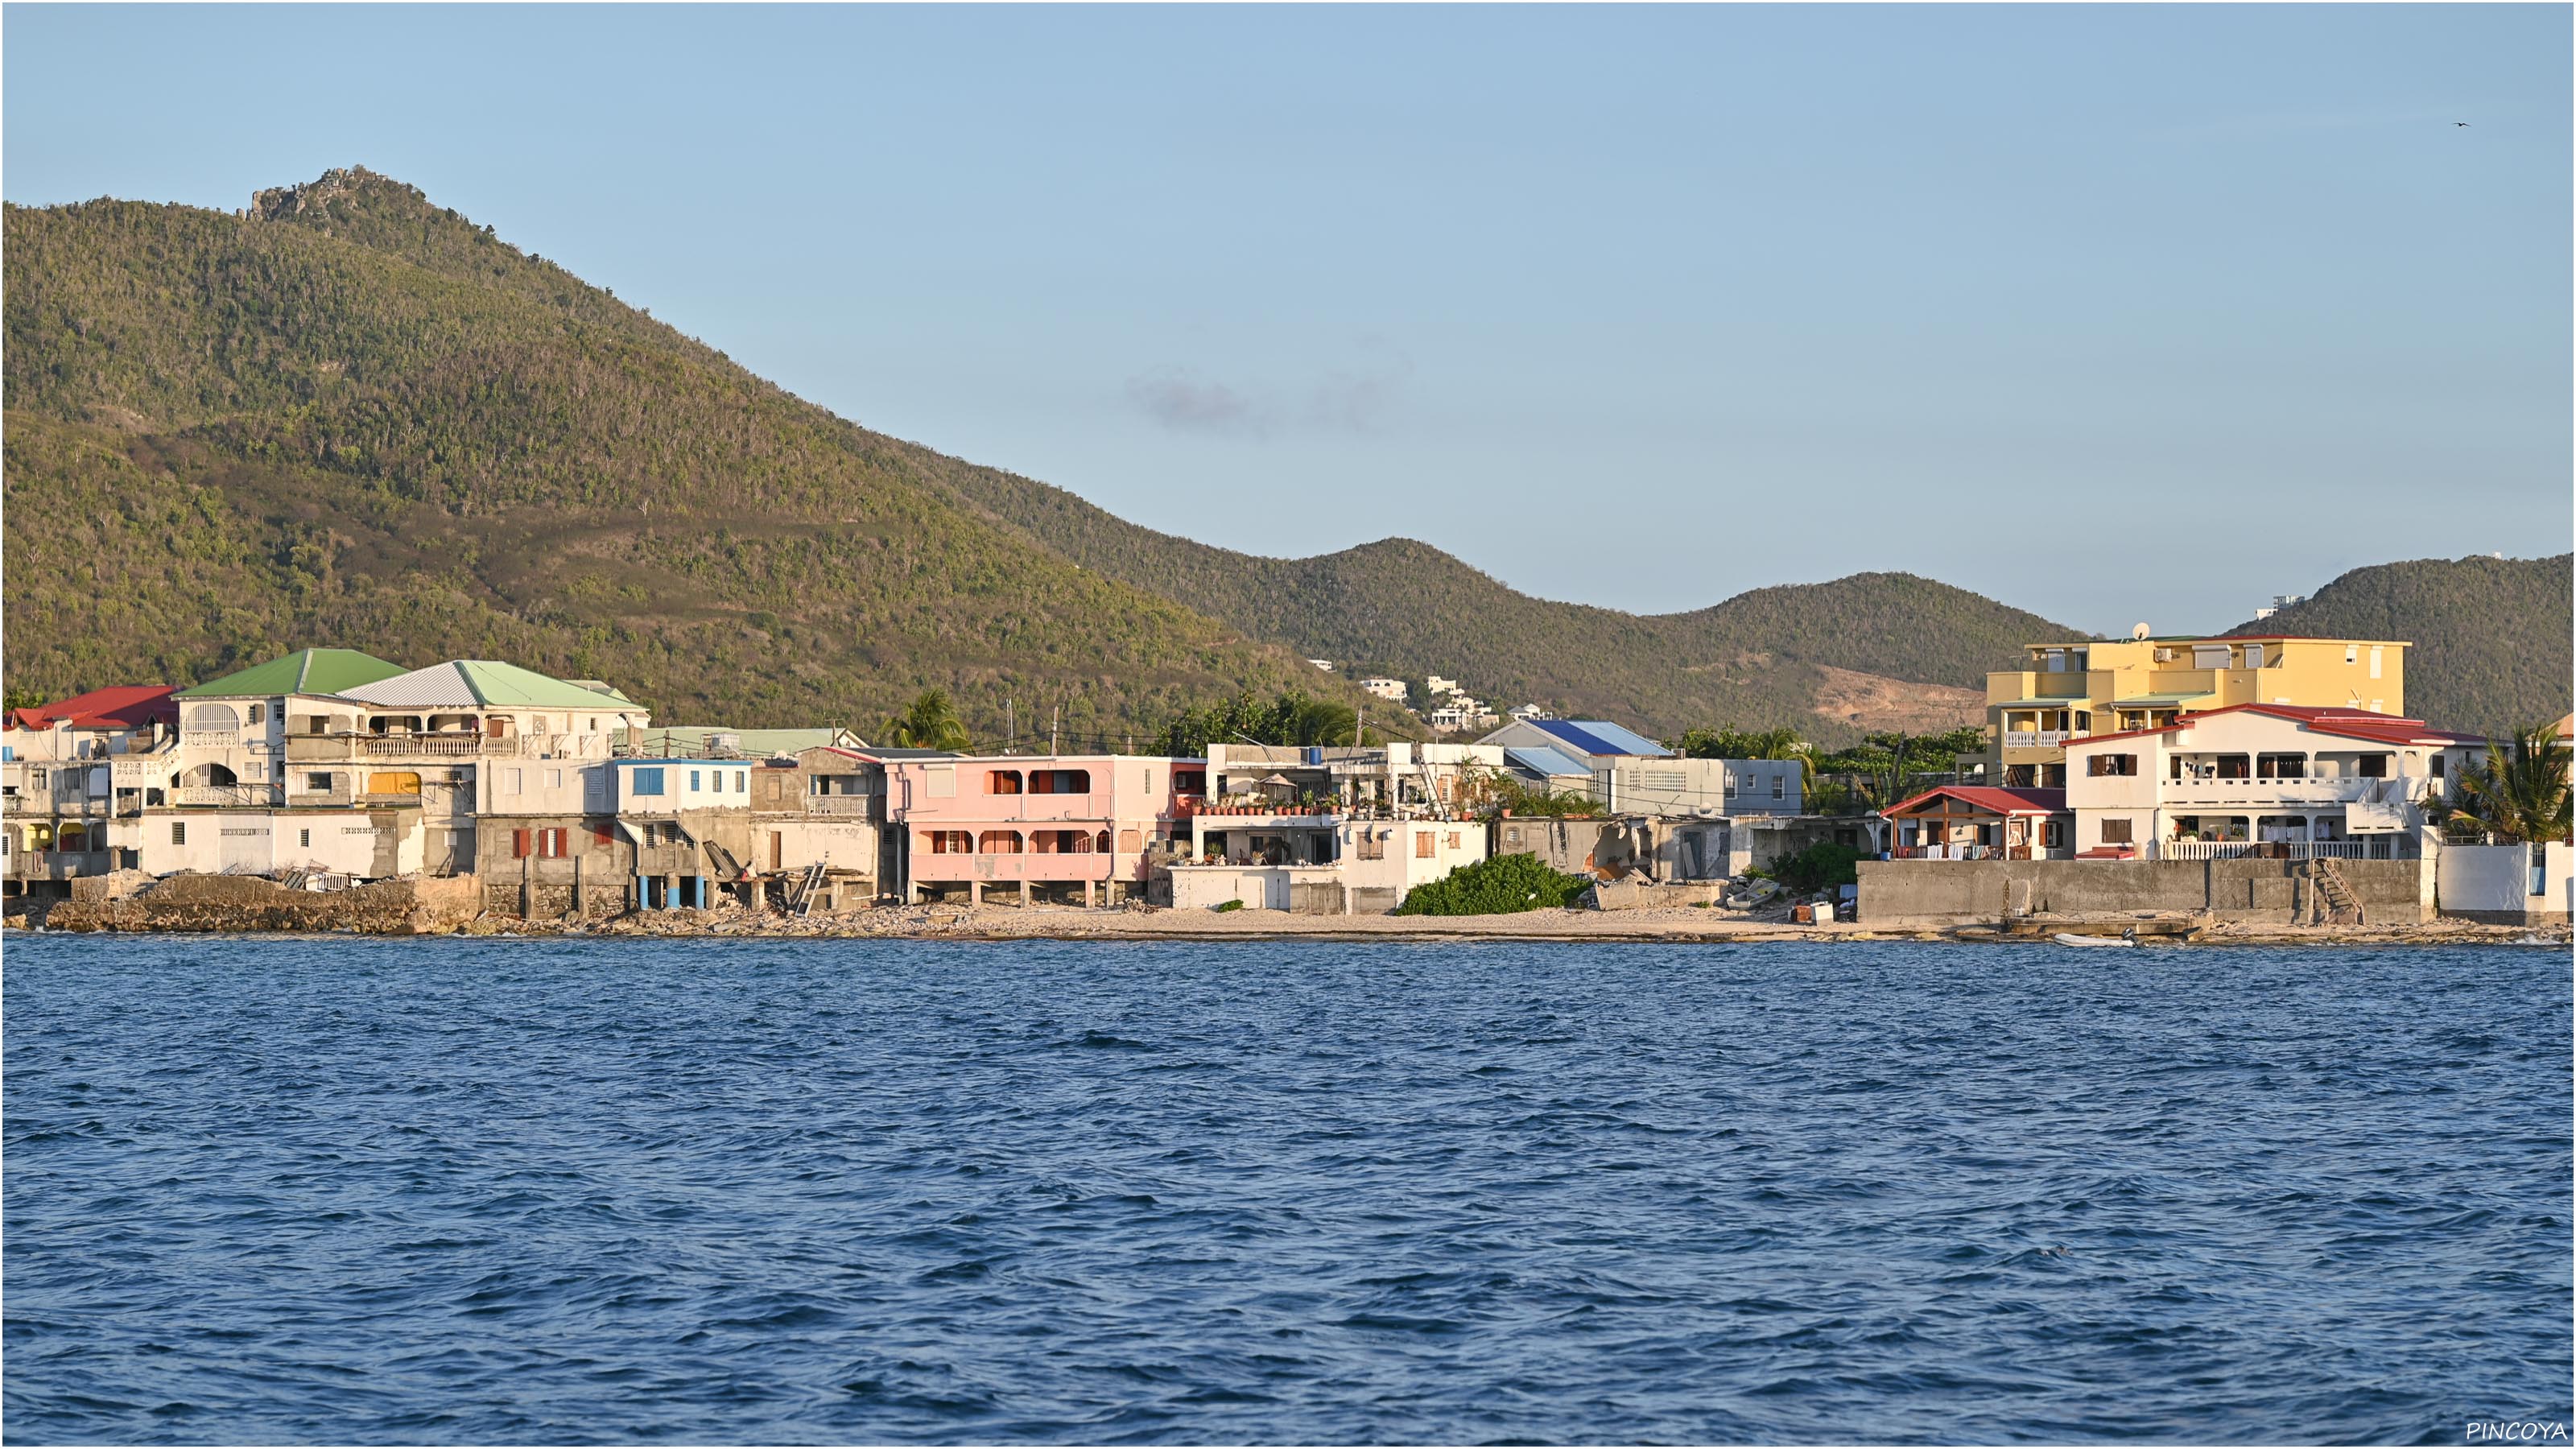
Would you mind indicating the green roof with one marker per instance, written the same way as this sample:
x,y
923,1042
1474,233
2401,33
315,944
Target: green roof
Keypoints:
x,y
306,671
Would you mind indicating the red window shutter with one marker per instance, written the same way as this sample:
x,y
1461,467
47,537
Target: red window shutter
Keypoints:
x,y
518,842
603,835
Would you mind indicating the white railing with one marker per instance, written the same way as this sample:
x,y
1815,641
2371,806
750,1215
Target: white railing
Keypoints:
x,y
2386,848
838,804
2034,739
224,795
433,746
212,739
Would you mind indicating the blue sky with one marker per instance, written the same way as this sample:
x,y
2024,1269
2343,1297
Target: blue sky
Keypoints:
x,y
2114,313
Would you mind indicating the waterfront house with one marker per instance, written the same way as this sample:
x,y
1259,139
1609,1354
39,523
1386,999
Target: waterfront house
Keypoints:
x,y
1090,829
688,823
239,797
1332,829
2262,780
1980,822
73,777
821,837
2070,690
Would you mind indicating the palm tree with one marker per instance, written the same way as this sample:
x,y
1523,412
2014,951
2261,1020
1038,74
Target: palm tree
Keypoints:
x,y
1323,722
929,723
2518,793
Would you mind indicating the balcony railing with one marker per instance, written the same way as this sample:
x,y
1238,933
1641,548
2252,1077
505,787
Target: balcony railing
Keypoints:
x,y
224,795
2035,739
2378,848
838,804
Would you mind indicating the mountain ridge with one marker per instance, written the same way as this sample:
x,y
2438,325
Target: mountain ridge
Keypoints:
x,y
348,411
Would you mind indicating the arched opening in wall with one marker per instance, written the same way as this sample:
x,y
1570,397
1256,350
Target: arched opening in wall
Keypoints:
x,y
394,782
215,718
1100,843
947,842
1060,782
999,842
393,724
1003,782
1060,842
74,838
208,774
447,724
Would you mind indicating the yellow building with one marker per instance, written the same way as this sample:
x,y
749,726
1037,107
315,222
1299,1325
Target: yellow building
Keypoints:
x,y
2099,686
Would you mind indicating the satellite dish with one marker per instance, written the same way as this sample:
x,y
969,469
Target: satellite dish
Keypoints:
x,y
2139,630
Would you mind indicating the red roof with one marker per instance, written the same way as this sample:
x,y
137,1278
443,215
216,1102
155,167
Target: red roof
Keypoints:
x,y
1994,799
121,707
2358,724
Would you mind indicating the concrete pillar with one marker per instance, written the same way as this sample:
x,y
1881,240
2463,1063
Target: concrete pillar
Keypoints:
x,y
580,889
643,893
1025,901
974,893
527,890
1086,895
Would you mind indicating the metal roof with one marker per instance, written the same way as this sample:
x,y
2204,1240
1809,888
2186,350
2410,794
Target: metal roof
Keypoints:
x,y
1994,799
121,705
1598,736
306,671
481,683
682,738
1540,761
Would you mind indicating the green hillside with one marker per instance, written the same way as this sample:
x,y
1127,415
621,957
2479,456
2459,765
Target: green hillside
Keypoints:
x,y
1407,609
351,418
2491,635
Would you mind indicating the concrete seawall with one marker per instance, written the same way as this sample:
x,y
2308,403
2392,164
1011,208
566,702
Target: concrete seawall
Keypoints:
x,y
1933,893
250,903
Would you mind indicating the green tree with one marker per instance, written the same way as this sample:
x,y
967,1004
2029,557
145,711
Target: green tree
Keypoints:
x,y
1493,887
2518,793
929,723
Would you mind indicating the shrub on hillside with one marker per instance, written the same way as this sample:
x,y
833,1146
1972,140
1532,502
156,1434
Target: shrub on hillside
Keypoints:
x,y
1495,887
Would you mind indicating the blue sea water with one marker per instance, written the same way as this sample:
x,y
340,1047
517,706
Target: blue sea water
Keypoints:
x,y
358,1190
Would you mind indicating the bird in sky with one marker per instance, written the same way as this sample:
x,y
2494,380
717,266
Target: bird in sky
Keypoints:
x,y
2463,125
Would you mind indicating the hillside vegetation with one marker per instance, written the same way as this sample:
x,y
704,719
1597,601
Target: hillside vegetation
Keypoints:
x,y
351,418
2491,635
1785,655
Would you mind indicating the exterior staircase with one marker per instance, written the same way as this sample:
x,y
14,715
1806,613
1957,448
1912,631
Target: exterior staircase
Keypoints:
x,y
2332,900
800,896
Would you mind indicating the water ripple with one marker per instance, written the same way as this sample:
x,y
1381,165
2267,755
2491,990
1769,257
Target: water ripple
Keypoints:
x,y
599,1191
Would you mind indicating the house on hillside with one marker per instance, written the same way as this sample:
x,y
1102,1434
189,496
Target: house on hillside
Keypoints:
x,y
2282,781
1391,690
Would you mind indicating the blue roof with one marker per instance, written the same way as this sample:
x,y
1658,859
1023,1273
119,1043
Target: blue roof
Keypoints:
x,y
1599,737
1546,762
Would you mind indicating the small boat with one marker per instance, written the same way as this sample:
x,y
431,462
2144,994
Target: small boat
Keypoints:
x,y
2125,938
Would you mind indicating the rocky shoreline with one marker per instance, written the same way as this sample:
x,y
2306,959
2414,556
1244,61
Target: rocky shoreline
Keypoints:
x,y
398,908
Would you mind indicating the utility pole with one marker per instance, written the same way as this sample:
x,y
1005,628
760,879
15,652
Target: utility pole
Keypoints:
x,y
1055,720
1010,724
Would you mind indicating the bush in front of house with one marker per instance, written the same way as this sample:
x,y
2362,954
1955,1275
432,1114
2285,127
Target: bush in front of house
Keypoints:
x,y
1819,867
1495,887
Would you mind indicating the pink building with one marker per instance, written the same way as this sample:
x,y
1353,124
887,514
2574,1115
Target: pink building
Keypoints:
x,y
1047,823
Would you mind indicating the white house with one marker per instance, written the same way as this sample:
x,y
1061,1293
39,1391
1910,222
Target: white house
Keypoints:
x,y
1393,690
2261,779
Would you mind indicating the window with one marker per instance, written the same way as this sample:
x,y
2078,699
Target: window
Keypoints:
x,y
318,780
2053,834
947,842
1370,846
2435,765
1453,840
939,782
693,781
1002,782
603,834
519,844
2374,767
741,782
2118,832
2539,881
550,843
1780,786
314,724
304,838
1059,782
648,781
2374,673
554,779
1129,842
1730,784
259,714
2110,764
2352,654
178,832
513,780
1422,845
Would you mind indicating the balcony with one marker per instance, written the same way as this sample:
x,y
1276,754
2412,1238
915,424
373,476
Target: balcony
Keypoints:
x,y
2254,791
1039,866
843,805
2035,739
